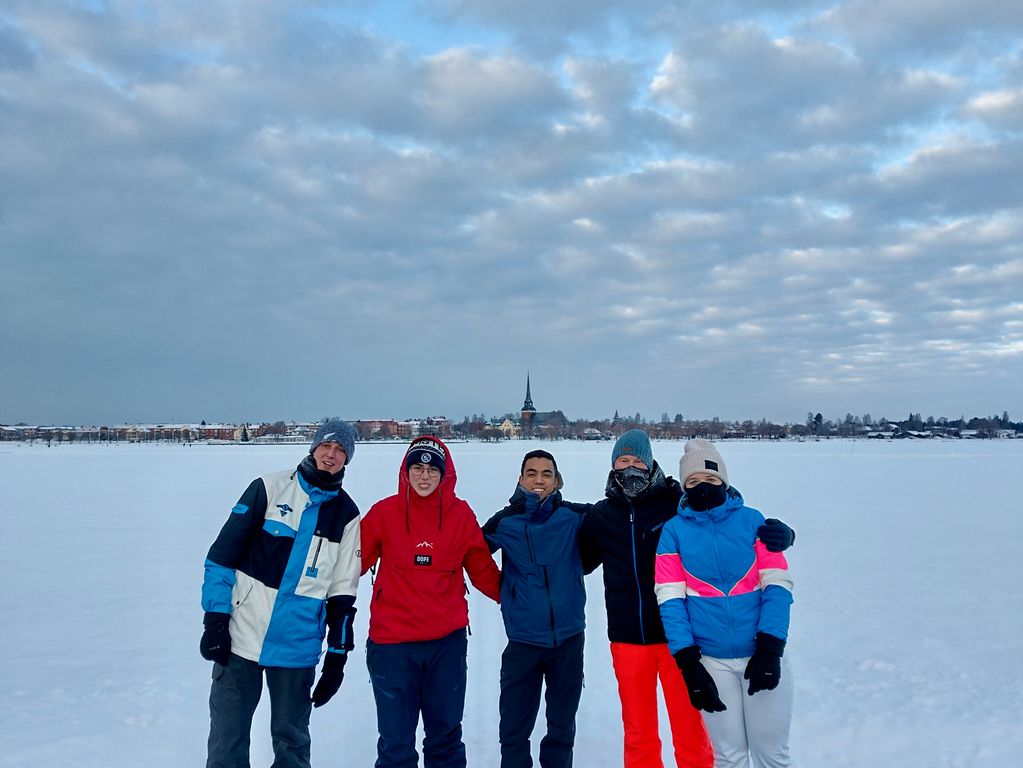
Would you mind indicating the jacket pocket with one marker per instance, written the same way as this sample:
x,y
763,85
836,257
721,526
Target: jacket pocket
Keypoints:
x,y
319,568
240,596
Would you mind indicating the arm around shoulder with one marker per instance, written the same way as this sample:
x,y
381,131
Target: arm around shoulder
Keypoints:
x,y
370,540
776,535
490,533
479,563
590,548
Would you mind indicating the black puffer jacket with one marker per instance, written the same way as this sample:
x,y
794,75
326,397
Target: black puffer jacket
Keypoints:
x,y
623,535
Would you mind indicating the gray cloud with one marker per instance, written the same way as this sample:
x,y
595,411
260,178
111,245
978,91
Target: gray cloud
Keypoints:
x,y
289,212
928,28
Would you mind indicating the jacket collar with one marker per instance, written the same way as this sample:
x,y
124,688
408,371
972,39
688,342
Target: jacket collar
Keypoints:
x,y
518,497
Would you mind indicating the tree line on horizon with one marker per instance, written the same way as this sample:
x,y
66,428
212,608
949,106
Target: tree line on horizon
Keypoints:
x,y
679,427
556,426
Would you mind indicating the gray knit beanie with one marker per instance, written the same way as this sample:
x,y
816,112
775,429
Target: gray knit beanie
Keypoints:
x,y
699,455
336,431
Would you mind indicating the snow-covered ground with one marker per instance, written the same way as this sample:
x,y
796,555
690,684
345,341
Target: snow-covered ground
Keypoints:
x,y
907,636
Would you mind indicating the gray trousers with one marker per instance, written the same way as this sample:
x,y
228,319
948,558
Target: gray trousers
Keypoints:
x,y
234,695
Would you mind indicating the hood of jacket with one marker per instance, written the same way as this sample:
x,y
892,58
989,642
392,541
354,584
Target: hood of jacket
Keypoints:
x,y
443,496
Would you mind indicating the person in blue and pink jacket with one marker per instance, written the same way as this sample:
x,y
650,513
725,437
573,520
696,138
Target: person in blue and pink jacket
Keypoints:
x,y
724,601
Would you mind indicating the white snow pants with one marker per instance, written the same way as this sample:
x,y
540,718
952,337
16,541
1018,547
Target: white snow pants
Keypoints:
x,y
756,725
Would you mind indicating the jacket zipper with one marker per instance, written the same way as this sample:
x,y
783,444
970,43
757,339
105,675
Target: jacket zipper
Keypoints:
x,y
721,573
635,572
546,583
550,603
312,571
316,555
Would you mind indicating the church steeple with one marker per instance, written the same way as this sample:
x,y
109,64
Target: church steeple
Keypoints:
x,y
527,406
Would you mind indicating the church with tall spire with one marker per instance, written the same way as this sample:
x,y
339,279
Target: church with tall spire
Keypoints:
x,y
527,406
532,420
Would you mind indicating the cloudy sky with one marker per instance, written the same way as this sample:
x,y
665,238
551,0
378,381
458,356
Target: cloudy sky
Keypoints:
x,y
264,209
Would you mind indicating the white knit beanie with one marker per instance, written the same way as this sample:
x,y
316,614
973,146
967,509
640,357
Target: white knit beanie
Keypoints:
x,y
699,455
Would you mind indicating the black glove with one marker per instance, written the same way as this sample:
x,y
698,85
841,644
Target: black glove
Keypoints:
x,y
215,644
777,536
764,668
331,675
703,691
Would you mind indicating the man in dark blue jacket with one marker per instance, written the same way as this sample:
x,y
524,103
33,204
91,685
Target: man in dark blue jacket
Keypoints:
x,y
543,604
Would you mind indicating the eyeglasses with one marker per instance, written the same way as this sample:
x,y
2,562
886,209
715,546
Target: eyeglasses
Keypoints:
x,y
421,469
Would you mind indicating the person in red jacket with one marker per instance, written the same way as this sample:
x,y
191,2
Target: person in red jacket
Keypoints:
x,y
425,539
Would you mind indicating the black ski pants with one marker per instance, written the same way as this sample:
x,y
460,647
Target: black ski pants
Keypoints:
x,y
416,679
524,668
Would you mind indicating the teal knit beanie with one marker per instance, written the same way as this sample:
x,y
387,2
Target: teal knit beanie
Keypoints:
x,y
636,443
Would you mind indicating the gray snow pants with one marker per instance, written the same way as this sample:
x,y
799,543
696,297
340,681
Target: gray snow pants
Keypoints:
x,y
234,695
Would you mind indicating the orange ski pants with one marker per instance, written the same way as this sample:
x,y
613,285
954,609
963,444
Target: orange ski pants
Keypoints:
x,y
637,668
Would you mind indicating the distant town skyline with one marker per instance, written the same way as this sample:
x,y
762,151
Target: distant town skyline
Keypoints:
x,y
539,417
749,210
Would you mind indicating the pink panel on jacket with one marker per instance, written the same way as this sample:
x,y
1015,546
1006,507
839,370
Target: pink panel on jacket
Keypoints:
x,y
748,583
768,559
668,568
700,588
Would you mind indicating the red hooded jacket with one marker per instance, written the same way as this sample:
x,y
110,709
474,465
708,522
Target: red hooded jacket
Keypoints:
x,y
423,545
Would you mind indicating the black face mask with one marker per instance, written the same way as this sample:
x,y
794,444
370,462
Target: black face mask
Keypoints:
x,y
704,496
633,480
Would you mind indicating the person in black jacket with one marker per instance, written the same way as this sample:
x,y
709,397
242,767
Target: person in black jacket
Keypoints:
x,y
543,604
621,533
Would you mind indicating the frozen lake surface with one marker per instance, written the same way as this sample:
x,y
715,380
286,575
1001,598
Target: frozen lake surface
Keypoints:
x,y
906,642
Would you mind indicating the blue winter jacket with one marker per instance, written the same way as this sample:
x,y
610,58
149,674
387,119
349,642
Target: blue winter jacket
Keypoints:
x,y
543,600
717,585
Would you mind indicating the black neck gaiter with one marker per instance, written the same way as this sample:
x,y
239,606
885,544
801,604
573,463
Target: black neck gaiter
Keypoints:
x,y
705,496
633,480
319,478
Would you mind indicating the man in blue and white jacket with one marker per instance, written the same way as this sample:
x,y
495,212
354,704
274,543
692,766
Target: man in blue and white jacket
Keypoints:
x,y
281,575
543,603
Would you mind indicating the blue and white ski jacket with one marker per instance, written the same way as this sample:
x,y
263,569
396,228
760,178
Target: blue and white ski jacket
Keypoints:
x,y
717,585
285,567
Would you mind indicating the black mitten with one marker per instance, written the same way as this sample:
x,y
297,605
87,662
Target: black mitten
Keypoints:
x,y
331,675
215,644
764,668
703,691
777,536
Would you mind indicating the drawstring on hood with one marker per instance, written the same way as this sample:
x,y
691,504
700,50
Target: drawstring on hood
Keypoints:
x,y
409,494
